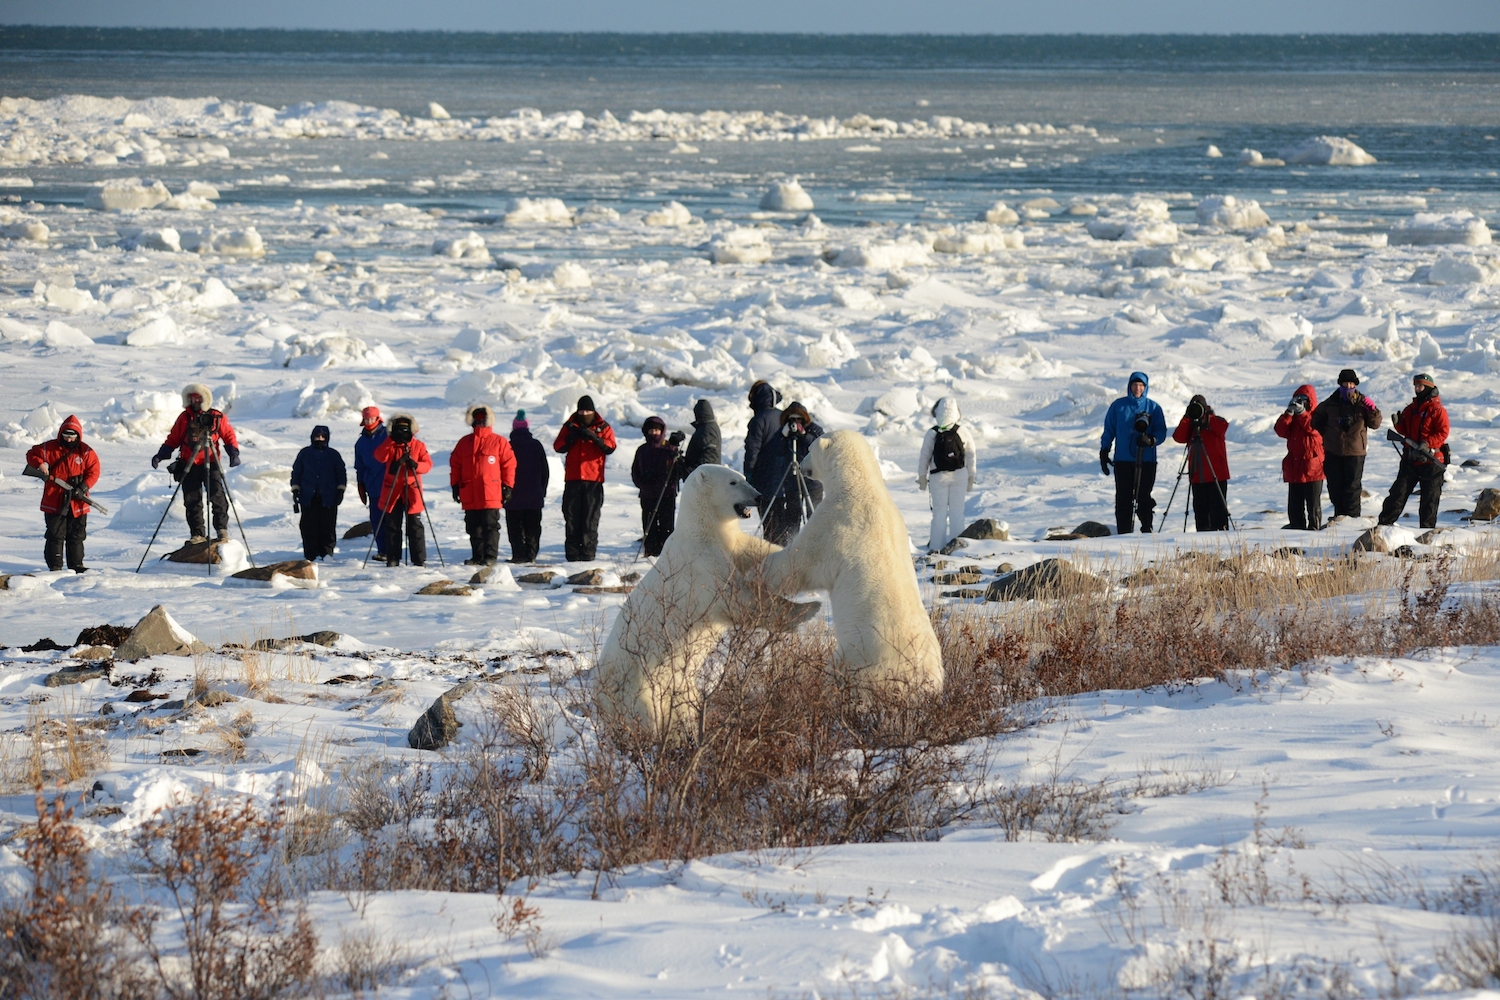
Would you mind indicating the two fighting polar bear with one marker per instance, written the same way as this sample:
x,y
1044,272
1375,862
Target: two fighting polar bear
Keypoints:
x,y
712,575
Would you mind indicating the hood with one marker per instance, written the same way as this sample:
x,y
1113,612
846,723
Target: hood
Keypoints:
x,y
764,396
1310,393
703,413
416,429
200,389
1142,378
653,422
795,409
321,431
945,412
72,423
489,415
520,432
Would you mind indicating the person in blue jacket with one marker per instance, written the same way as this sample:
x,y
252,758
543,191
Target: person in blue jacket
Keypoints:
x,y
1134,425
319,479
369,475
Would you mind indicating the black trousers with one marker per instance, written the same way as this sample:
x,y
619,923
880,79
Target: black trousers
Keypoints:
x,y
65,534
1428,475
1125,496
416,536
581,503
194,482
525,530
483,527
1210,507
319,526
1346,475
657,530
1304,505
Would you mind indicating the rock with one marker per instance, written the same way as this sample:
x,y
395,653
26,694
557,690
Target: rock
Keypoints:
x,y
541,576
42,646
293,569
1005,568
619,588
987,529
587,578
1287,552
77,675
445,588
1429,537
157,634
1048,578
103,635
1062,535
142,694
962,593
1487,507
1407,552
965,575
360,530
1372,540
213,698
1470,463
438,725
1092,529
195,552
498,574
325,637
94,653
631,577
954,546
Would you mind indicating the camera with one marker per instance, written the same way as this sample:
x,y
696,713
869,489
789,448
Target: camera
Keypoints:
x,y
1142,425
1196,412
205,420
676,438
401,432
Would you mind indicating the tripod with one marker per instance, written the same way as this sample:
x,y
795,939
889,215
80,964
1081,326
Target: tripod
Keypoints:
x,y
1197,449
651,522
203,448
804,497
402,477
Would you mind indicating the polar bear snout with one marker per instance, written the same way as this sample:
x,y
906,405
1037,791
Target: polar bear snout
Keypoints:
x,y
743,509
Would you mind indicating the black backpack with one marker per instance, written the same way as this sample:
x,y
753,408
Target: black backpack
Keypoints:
x,y
948,451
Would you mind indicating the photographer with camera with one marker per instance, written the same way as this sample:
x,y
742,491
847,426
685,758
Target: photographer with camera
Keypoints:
x,y
1345,420
406,460
704,446
946,465
1302,469
369,475
198,433
72,469
587,440
791,495
656,471
1134,425
1422,433
319,478
1203,432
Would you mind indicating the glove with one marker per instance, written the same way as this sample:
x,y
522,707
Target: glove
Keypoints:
x,y
1293,408
455,493
161,454
922,483
364,497
234,455
1147,441
410,463
1104,461
505,494
676,438
296,499
43,467
1367,402
338,497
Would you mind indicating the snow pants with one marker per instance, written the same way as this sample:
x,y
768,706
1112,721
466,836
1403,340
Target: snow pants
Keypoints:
x,y
319,526
581,503
1429,475
416,536
1304,505
656,530
1346,475
1210,506
65,535
1125,505
483,527
947,490
194,482
525,530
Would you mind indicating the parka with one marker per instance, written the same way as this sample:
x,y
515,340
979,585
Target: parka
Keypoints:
x,y
481,464
73,466
392,455
1304,445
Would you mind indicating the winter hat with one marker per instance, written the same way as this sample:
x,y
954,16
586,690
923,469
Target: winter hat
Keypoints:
x,y
586,403
1347,375
1424,379
369,416
653,422
520,424
320,431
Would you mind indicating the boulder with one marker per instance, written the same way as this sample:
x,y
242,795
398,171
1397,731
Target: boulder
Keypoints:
x,y
1372,540
438,725
1048,578
77,675
360,530
195,552
445,588
213,698
156,635
94,653
103,635
965,575
618,588
1487,507
292,569
541,576
42,646
324,637
987,529
587,578
954,546
1092,529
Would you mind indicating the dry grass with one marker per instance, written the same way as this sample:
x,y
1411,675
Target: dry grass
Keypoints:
x,y
58,746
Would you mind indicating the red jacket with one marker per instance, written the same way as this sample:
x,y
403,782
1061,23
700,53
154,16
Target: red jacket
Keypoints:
x,y
1304,446
1425,420
1209,464
65,463
391,453
480,465
585,458
221,431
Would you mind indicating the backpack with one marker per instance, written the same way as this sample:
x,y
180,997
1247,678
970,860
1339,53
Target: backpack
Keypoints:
x,y
948,451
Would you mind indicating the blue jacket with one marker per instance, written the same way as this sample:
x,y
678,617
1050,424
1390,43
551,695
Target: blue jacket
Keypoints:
x,y
319,472
532,472
370,472
1119,423
764,429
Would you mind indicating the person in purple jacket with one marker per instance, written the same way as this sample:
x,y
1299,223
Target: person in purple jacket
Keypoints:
x,y
523,513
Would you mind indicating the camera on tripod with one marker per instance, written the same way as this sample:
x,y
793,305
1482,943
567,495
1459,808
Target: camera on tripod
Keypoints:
x,y
1197,414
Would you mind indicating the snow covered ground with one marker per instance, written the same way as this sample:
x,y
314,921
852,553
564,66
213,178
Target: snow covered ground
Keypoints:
x,y
300,312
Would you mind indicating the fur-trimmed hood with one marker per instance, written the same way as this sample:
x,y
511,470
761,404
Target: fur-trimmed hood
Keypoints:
x,y
945,412
200,389
489,415
416,429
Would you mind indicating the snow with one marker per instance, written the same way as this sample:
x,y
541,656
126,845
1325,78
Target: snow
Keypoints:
x,y
1228,212
1429,228
538,212
1328,151
126,194
786,196
671,214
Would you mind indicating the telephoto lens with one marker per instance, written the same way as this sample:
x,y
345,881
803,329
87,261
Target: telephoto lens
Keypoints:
x,y
1195,412
1142,425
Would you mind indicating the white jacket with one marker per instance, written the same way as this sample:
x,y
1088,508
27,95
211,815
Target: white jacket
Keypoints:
x,y
946,414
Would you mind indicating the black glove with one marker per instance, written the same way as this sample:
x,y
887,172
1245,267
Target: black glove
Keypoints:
x,y
364,497
455,493
234,455
1147,441
296,499
338,497
676,438
410,463
505,494
1104,460
160,456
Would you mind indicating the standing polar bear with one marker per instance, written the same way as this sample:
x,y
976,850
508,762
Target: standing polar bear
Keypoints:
x,y
702,584
856,547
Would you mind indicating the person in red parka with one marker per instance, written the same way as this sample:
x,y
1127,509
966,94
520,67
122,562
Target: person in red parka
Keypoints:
x,y
1203,432
406,459
587,441
1302,469
1424,456
482,472
198,433
75,463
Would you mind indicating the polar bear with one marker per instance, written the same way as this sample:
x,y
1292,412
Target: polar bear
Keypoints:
x,y
702,584
856,547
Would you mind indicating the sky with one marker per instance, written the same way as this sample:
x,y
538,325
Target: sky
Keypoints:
x,y
836,16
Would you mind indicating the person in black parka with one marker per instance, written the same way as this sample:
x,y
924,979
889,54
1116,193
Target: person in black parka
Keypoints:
x,y
656,471
785,509
764,430
523,514
319,479
705,446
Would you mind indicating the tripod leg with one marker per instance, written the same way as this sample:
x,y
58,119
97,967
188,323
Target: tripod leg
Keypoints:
x,y
1180,469
158,526
433,532
223,478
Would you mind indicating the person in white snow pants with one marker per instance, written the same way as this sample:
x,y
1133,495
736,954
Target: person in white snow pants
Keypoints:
x,y
946,465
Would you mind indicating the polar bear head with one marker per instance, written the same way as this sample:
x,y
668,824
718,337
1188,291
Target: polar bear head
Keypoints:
x,y
840,459
716,493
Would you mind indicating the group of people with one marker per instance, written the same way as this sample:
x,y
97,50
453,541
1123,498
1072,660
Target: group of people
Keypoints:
x,y
1325,442
489,473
